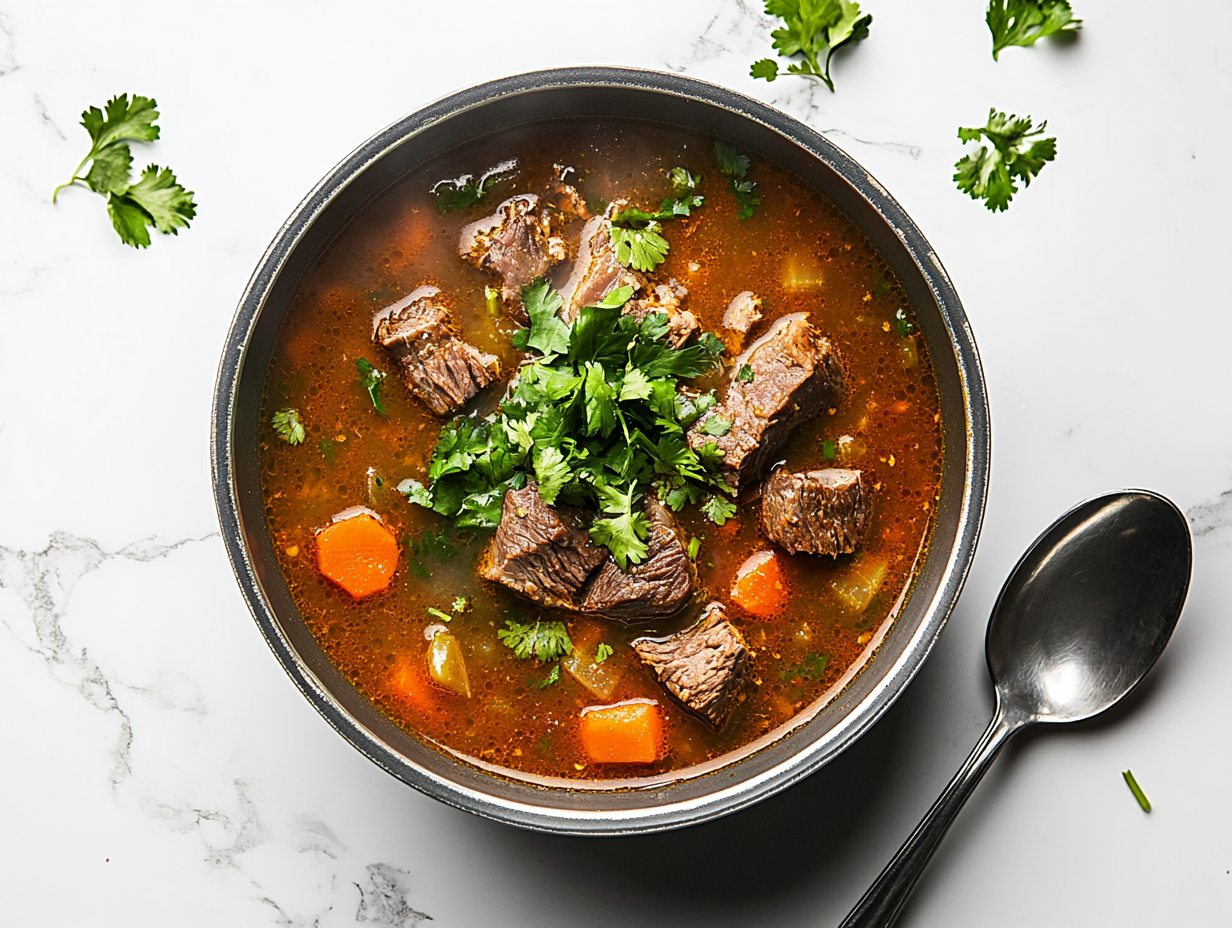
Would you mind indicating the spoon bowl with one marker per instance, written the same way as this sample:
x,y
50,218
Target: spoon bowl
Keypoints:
x,y
1083,616
1089,608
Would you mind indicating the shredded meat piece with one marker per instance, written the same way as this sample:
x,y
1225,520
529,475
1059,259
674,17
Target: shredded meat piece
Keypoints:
x,y
437,366
702,667
742,312
519,242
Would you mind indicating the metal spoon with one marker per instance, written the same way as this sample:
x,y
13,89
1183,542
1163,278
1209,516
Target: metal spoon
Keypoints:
x,y
1081,619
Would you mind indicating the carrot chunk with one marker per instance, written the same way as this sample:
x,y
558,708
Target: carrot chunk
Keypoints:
x,y
623,733
357,552
759,585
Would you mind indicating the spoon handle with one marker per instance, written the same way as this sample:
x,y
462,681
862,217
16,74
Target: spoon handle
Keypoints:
x,y
882,904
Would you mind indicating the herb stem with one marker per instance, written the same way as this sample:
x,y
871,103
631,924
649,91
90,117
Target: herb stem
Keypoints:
x,y
1136,790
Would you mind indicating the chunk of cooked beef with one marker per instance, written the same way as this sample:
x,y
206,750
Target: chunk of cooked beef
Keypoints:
x,y
541,551
436,365
796,374
597,272
703,666
742,312
657,587
682,325
818,511
518,242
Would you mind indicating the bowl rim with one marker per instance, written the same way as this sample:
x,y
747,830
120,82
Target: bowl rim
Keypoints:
x,y
652,816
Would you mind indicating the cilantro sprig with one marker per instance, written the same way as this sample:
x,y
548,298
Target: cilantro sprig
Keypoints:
x,y
815,30
545,641
287,425
1024,22
1016,152
156,199
370,378
636,234
597,420
734,166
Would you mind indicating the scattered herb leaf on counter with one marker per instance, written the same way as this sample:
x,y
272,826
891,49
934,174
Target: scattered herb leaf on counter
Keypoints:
x,y
603,652
465,191
546,641
1023,22
371,379
1134,788
286,423
597,420
734,167
156,199
813,29
989,174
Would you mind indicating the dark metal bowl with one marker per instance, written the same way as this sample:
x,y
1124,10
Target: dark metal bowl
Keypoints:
x,y
819,732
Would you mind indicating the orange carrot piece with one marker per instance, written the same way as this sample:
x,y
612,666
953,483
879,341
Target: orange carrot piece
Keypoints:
x,y
623,733
358,553
759,585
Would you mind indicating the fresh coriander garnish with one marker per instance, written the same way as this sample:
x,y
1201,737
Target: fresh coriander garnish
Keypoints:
x,y
695,546
902,324
603,652
1134,788
812,29
734,166
546,641
745,374
156,199
718,510
1023,22
989,175
371,379
552,677
635,233
717,426
598,420
437,613
286,423
467,190
829,450
811,667
460,604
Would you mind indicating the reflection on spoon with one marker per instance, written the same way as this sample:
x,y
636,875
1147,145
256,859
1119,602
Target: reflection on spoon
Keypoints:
x,y
1081,619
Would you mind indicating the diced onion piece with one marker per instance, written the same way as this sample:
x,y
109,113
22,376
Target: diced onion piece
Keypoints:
x,y
759,585
907,352
600,679
857,589
357,552
848,449
623,733
446,664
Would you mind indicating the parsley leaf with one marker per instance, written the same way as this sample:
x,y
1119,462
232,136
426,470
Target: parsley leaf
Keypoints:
x,y
716,426
734,167
1023,22
156,199
695,547
551,473
465,191
635,233
989,175
718,510
811,667
460,604
603,652
371,379
623,531
286,423
546,641
745,374
814,29
548,334
552,677
642,249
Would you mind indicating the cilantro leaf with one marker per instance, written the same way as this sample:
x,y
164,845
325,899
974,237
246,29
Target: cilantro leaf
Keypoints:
x,y
415,492
814,30
549,334
156,199
734,167
695,547
624,531
551,473
603,652
288,426
718,510
745,374
1024,22
642,249
459,604
552,677
371,379
989,174
546,641
716,426
811,667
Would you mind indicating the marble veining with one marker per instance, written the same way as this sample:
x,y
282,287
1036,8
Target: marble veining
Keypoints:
x,y
1209,518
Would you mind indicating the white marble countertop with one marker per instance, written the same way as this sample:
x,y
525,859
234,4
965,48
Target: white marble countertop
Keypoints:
x,y
158,768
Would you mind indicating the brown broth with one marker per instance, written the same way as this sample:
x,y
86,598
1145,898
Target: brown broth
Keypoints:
x,y
400,242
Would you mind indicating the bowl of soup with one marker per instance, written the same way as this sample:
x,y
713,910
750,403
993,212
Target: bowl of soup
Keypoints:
x,y
600,451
